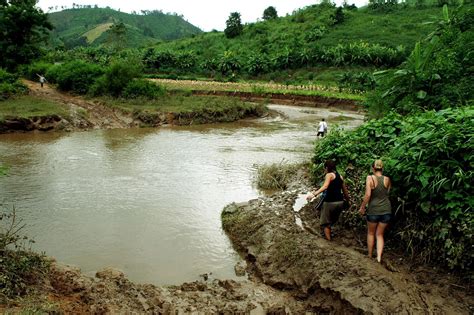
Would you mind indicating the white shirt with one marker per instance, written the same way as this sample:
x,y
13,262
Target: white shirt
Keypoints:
x,y
322,126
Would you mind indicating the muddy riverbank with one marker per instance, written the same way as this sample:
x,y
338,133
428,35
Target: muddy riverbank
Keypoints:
x,y
285,250
290,270
86,114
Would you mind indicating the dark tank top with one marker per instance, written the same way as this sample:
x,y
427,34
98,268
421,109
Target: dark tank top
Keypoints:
x,y
334,191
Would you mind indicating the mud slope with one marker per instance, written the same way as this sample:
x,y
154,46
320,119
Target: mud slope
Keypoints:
x,y
97,115
286,256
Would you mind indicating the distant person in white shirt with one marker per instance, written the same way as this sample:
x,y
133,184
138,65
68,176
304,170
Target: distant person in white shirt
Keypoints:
x,y
42,79
322,128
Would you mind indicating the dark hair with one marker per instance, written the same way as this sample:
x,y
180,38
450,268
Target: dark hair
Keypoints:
x,y
330,165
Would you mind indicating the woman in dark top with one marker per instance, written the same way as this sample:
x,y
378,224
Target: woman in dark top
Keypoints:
x,y
336,192
379,213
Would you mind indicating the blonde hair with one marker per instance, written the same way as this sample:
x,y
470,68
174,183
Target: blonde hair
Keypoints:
x,y
377,165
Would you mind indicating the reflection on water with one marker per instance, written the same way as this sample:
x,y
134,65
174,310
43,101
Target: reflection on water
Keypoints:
x,y
147,201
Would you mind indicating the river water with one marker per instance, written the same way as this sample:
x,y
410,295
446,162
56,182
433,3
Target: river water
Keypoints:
x,y
148,201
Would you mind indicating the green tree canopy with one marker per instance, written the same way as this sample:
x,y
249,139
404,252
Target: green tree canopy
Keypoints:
x,y
234,25
23,27
270,13
117,35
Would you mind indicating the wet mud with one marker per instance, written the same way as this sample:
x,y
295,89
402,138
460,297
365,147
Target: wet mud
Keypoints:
x,y
286,251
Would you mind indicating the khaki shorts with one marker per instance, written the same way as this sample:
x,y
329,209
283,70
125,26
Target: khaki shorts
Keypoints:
x,y
330,212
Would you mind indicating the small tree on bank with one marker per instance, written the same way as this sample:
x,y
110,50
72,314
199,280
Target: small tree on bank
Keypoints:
x,y
234,25
270,13
23,28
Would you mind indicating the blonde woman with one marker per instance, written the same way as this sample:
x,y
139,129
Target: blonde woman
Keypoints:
x,y
379,212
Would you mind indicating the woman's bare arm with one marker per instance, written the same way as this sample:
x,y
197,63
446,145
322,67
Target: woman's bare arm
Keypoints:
x,y
368,192
327,181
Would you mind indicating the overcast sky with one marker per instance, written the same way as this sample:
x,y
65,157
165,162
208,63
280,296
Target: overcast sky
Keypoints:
x,y
205,14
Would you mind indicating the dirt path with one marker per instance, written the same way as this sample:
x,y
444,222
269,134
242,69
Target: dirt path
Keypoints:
x,y
83,114
284,255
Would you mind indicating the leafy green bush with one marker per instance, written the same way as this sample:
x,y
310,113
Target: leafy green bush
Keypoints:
x,y
10,85
438,74
429,158
32,71
143,88
75,76
431,165
116,78
357,81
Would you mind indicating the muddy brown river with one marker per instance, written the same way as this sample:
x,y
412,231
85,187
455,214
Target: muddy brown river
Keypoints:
x,y
148,201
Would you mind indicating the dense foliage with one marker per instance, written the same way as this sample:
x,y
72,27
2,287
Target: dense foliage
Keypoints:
x,y
289,49
234,25
429,158
439,73
75,76
270,13
315,36
87,26
22,28
10,85
425,138
119,79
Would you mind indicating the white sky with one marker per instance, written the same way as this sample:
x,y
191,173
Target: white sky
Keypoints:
x,y
205,14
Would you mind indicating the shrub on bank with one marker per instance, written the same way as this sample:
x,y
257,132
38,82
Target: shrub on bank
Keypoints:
x,y
10,85
32,71
116,78
429,158
143,88
75,76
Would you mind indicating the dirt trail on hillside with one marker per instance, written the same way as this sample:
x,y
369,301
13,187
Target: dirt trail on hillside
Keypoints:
x,y
291,257
83,114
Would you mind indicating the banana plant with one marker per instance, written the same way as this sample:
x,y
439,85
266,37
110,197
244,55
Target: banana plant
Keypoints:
x,y
413,77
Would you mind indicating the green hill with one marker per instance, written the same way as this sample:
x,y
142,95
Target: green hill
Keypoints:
x,y
303,44
89,27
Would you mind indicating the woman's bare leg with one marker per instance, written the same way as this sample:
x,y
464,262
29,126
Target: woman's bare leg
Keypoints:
x,y
380,241
371,228
327,232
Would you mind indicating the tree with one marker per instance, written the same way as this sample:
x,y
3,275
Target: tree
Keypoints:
x,y
234,25
117,35
23,28
338,16
270,13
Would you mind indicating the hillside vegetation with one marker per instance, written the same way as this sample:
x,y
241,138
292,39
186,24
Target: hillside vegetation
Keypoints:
x,y
302,46
422,129
89,26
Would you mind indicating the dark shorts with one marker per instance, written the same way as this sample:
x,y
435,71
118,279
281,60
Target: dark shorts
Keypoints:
x,y
330,212
320,133
379,218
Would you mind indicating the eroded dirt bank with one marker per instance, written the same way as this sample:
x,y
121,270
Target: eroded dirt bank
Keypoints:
x,y
68,291
296,259
93,114
288,99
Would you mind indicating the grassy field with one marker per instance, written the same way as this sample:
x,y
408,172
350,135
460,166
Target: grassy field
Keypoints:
x,y
258,88
96,32
28,107
179,103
